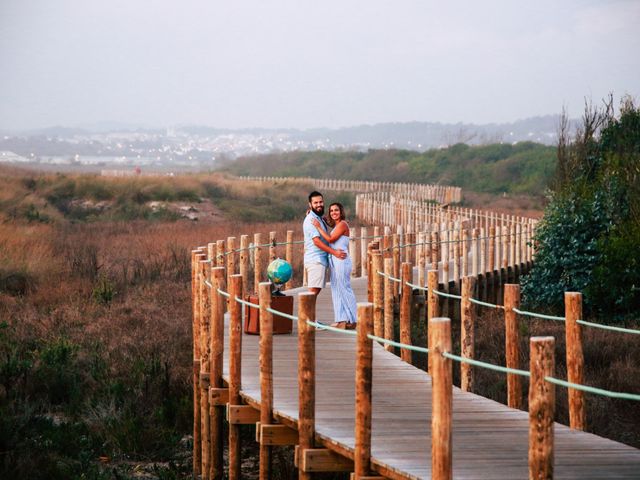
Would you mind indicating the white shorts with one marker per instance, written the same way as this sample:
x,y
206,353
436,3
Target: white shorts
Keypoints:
x,y
316,275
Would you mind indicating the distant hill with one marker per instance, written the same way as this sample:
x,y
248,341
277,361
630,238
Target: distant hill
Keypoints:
x,y
523,168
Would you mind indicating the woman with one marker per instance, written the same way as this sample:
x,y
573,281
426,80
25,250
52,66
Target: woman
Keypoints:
x,y
344,300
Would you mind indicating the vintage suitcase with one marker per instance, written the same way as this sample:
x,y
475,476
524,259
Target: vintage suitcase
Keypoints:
x,y
281,303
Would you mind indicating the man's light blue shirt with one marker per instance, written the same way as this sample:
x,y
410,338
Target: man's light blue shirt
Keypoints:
x,y
313,254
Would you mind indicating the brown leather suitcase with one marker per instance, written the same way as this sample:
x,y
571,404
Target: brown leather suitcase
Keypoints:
x,y
281,303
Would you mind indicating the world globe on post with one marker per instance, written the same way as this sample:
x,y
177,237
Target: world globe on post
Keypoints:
x,y
279,272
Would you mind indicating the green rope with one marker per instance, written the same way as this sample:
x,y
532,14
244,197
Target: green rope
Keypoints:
x,y
322,326
485,304
282,314
394,279
248,304
490,366
448,295
223,293
417,287
608,327
538,315
597,391
397,344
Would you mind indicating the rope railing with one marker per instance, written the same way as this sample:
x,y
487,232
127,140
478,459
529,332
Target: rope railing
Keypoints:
x,y
457,358
539,315
517,310
489,366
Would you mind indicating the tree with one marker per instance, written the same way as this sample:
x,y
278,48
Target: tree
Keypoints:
x,y
589,238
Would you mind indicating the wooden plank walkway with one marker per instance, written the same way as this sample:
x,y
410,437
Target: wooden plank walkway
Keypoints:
x,y
490,440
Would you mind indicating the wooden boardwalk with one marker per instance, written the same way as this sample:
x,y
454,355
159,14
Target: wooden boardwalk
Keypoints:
x,y
490,440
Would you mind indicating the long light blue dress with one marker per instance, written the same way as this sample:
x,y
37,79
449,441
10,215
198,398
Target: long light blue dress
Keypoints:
x,y
344,300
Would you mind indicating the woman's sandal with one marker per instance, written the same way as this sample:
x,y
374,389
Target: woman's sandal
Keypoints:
x,y
340,325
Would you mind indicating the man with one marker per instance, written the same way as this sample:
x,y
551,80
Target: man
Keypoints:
x,y
316,249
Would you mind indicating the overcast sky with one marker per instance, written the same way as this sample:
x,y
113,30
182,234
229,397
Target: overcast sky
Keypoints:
x,y
297,63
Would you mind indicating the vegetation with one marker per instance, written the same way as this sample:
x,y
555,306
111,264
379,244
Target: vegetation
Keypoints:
x,y
589,238
523,168
40,198
95,319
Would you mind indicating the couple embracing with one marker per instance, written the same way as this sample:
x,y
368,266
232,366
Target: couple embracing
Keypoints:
x,y
326,246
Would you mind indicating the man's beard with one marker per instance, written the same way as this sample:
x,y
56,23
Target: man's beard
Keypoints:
x,y
319,211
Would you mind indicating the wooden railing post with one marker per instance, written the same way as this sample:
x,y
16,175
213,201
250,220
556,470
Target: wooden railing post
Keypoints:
x,y
306,376
353,253
378,293
512,344
196,257
203,377
273,249
405,310
244,263
235,359
266,373
258,264
231,259
218,304
575,359
363,252
288,253
542,400
364,377
388,304
467,332
373,246
442,399
433,307
395,254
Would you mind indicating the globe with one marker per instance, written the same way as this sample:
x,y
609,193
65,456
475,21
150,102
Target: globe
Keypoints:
x,y
279,271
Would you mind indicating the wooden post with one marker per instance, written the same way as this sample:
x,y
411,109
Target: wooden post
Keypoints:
x,y
396,262
378,294
221,260
363,252
196,257
218,304
235,359
433,307
258,267
435,250
288,253
353,253
244,263
405,310
364,374
467,334
266,373
273,249
512,344
203,384
442,399
388,303
410,240
420,253
306,375
373,246
575,359
542,400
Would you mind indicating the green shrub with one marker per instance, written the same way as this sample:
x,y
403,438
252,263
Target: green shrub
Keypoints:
x,y
104,291
589,238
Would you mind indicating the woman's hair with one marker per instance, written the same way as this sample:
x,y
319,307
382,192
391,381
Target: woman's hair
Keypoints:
x,y
330,221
